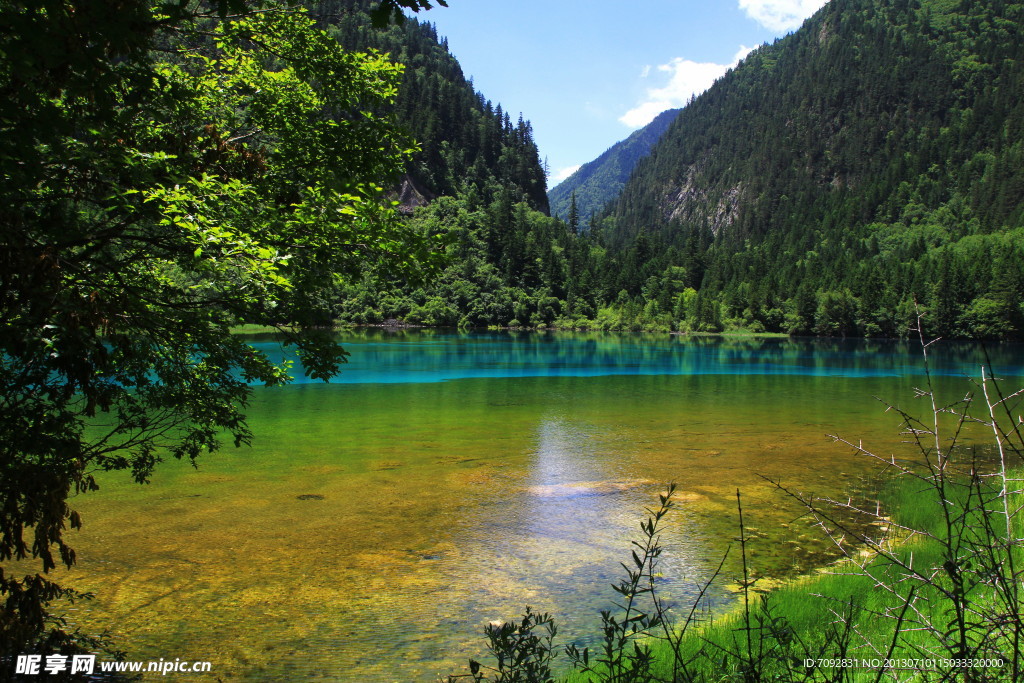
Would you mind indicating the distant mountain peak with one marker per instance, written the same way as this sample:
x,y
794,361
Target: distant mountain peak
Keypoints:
x,y
598,182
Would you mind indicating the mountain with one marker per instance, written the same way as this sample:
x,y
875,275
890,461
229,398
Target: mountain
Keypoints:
x,y
598,182
842,181
476,182
466,141
872,159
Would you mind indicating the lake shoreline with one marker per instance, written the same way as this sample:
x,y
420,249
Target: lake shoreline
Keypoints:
x,y
725,334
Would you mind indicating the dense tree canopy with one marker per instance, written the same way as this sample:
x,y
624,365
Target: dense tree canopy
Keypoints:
x,y
168,171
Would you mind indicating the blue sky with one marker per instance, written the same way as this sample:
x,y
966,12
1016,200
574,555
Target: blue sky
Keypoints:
x,y
586,73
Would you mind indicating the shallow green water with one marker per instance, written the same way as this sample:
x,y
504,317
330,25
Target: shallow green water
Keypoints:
x,y
378,523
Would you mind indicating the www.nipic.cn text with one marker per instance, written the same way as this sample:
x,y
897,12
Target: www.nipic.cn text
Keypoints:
x,y
38,665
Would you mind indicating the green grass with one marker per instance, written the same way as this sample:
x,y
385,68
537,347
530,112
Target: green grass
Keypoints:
x,y
738,334
811,611
846,611
264,329
252,329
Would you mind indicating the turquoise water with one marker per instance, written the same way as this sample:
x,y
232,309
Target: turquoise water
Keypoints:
x,y
443,481
426,356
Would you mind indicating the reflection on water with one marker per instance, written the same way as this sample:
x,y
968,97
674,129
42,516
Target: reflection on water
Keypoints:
x,y
375,527
392,356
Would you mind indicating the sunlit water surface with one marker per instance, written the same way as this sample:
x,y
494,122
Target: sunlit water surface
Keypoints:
x,y
379,522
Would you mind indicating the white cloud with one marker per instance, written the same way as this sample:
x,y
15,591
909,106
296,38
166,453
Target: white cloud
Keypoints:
x,y
688,78
741,54
780,15
565,173
646,71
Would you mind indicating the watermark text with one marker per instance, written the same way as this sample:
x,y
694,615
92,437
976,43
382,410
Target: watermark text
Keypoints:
x,y
40,665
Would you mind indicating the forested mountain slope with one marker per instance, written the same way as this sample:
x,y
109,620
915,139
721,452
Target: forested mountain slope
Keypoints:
x,y
467,143
598,182
477,183
874,157
835,182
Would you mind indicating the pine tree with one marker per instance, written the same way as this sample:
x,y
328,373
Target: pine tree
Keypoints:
x,y
574,216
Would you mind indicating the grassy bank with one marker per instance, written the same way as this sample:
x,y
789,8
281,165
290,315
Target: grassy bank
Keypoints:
x,y
848,621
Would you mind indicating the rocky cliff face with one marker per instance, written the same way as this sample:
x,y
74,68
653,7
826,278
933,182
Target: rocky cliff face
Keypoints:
x,y
691,200
411,196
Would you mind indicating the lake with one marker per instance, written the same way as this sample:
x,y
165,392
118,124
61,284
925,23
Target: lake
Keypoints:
x,y
446,480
